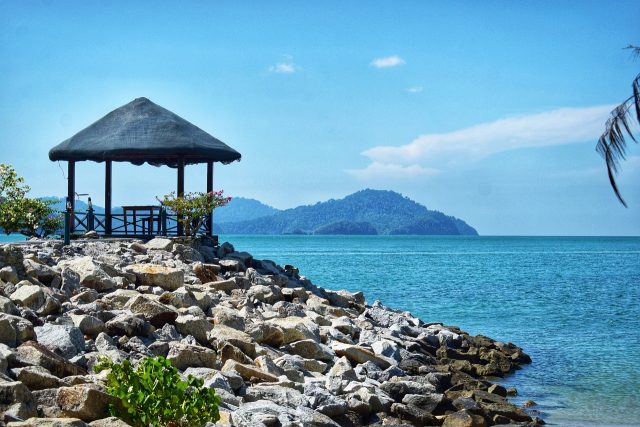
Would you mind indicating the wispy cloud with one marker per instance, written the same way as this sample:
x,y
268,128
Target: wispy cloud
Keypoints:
x,y
391,170
387,61
285,67
414,89
556,127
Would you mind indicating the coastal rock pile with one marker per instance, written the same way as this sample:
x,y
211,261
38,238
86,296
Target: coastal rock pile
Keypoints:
x,y
279,350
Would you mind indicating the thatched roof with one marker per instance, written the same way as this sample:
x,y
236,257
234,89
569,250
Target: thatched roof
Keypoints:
x,y
140,132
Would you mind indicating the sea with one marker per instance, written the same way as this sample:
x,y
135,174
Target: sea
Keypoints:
x,y
572,303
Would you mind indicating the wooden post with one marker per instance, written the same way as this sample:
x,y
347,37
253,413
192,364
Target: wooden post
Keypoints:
x,y
71,192
180,192
107,197
209,190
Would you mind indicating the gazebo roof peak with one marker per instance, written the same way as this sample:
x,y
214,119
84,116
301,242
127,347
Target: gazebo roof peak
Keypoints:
x,y
140,132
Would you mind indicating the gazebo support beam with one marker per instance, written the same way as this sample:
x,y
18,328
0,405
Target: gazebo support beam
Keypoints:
x,y
180,192
209,190
107,197
71,192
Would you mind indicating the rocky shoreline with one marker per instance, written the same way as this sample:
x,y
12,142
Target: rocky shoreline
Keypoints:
x,y
279,350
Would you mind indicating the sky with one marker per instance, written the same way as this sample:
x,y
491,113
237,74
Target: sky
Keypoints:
x,y
488,111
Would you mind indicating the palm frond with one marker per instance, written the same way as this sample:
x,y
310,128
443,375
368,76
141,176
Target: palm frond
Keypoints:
x,y
612,144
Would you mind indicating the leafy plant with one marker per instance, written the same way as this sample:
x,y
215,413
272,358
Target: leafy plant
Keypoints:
x,y
192,208
21,214
154,394
612,144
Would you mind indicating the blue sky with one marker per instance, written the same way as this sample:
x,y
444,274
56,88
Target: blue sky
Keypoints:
x,y
487,111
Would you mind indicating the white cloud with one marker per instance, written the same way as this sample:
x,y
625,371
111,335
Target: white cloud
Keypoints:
x,y
415,89
285,67
391,170
556,127
387,61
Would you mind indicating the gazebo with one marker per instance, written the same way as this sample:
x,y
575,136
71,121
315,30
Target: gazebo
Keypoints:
x,y
141,132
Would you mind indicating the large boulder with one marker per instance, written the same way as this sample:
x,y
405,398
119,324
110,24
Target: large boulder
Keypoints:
x,y
23,327
90,273
36,377
184,356
28,295
160,244
167,278
156,313
358,354
221,334
84,402
129,325
32,353
296,329
265,412
198,327
65,340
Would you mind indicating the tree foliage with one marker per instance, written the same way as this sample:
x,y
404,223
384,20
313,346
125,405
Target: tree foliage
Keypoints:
x,y
192,208
154,394
612,144
21,214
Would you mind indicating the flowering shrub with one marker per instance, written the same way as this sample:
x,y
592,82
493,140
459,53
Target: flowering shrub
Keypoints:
x,y
193,208
20,214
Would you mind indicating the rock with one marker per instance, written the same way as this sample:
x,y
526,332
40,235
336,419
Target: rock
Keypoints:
x,y
414,414
36,377
248,372
428,402
264,333
9,274
221,333
84,402
154,312
199,327
309,349
497,389
129,325
23,327
108,422
7,306
8,334
228,317
206,272
281,395
88,325
90,273
49,422
296,329
342,369
398,388
254,414
65,340
16,400
28,295
266,294
463,418
32,353
43,273
167,278
184,356
358,354
224,285
119,298
160,244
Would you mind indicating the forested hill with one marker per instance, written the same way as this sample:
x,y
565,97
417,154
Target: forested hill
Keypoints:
x,y
242,209
364,212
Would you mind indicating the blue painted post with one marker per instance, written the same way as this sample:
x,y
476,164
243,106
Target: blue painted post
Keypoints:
x,y
163,221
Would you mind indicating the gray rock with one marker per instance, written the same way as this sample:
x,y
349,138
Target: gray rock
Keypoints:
x,y
129,325
91,274
281,395
167,278
84,402
8,334
65,340
160,244
23,327
28,295
154,312
9,274
36,377
87,324
197,326
7,306
184,356
254,414
309,349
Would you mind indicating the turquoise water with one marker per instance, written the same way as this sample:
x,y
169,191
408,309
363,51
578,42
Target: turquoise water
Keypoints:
x,y
573,304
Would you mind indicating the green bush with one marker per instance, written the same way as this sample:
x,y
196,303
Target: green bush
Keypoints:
x,y
155,394
21,214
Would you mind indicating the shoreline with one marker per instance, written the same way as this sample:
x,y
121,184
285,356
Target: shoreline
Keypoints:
x,y
253,319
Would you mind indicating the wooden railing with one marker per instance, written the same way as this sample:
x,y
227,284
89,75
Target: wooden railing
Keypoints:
x,y
122,224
